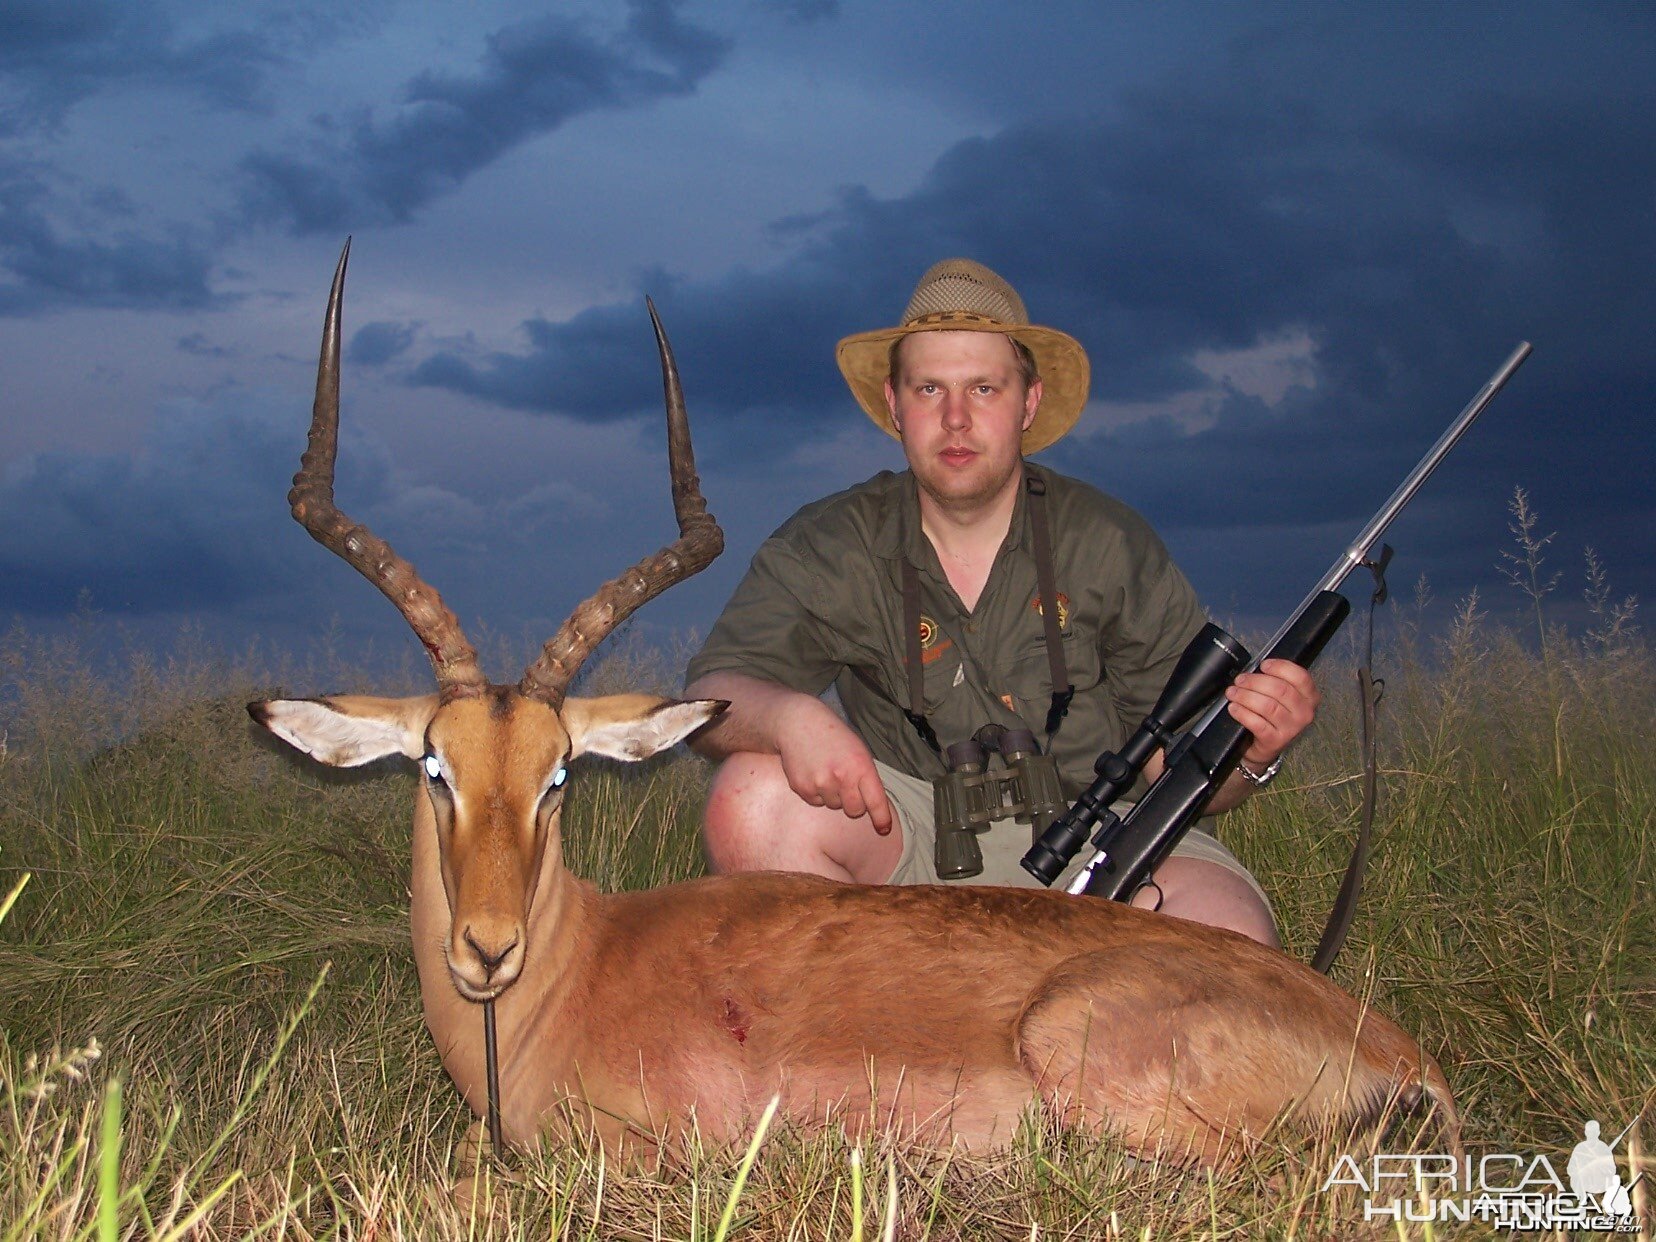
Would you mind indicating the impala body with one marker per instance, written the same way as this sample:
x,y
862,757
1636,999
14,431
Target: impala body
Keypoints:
x,y
944,1011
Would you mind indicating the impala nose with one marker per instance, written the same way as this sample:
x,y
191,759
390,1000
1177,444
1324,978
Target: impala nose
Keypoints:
x,y
486,960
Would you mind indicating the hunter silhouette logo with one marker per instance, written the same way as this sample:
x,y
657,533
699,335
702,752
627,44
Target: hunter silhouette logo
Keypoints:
x,y
1063,609
1594,1176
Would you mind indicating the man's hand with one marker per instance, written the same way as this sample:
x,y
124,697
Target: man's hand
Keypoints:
x,y
1276,705
827,764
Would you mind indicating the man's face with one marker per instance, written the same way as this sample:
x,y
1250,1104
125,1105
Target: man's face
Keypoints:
x,y
961,408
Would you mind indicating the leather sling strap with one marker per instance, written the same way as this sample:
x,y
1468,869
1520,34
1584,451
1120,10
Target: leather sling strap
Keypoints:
x,y
1370,690
916,710
1063,691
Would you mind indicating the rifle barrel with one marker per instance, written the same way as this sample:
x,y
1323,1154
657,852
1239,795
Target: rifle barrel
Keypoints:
x,y
1359,551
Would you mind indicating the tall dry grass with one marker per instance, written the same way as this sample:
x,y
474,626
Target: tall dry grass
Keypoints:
x,y
209,1022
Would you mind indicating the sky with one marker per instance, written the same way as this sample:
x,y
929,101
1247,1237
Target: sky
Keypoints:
x,y
1294,239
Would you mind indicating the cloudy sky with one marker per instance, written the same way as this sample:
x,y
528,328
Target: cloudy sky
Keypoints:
x,y
1294,238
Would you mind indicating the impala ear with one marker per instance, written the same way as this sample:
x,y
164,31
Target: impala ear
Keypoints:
x,y
633,726
349,730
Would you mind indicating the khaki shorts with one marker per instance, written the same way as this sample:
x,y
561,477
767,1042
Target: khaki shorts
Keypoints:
x,y
1006,841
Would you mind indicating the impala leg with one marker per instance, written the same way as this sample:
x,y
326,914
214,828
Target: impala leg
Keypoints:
x,y
1086,1084
1186,1051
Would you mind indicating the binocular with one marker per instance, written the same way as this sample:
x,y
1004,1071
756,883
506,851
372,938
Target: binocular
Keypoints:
x,y
968,797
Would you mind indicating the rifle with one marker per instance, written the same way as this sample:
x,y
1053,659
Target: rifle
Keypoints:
x,y
1128,850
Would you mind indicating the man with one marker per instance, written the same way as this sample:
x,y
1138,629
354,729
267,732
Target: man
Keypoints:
x,y
952,551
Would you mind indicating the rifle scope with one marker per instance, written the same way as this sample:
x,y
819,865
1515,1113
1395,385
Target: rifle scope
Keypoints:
x,y
1209,664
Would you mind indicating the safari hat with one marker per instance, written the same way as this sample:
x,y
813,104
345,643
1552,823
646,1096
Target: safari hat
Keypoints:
x,y
959,295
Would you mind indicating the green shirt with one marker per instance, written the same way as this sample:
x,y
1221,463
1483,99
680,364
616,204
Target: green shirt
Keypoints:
x,y
822,604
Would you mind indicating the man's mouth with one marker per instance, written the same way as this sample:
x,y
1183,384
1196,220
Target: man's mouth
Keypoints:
x,y
957,455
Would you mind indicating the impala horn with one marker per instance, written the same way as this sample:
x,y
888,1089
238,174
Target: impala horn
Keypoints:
x,y
699,541
312,501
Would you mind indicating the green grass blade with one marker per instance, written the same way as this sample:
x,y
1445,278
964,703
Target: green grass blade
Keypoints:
x,y
109,1164
11,897
745,1168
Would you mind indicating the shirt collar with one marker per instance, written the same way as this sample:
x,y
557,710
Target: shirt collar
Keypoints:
x,y
898,532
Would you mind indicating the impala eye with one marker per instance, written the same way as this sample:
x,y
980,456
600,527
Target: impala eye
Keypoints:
x,y
559,777
433,769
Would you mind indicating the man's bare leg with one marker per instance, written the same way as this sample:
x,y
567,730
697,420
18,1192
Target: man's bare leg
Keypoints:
x,y
1205,892
755,822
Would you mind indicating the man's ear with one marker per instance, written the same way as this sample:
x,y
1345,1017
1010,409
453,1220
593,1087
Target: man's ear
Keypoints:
x,y
1032,402
633,726
349,730
891,406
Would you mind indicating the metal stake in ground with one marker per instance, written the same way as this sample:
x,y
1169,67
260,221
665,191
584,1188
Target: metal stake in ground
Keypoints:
x,y
492,1064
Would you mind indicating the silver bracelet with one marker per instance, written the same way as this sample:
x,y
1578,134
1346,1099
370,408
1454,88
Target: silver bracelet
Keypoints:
x,y
1260,779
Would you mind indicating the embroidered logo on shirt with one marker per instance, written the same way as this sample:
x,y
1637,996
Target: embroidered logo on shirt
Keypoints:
x,y
1063,609
933,642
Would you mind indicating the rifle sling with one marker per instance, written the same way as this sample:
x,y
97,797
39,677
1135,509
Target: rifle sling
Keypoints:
x,y
1370,690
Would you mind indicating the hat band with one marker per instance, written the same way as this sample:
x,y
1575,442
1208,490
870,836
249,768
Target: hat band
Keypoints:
x,y
956,317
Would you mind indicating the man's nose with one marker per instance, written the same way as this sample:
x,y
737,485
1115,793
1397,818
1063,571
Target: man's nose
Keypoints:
x,y
956,415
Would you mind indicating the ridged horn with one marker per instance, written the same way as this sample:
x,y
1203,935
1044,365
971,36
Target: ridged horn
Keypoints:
x,y
700,540
312,502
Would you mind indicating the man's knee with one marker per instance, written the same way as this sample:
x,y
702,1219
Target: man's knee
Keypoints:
x,y
743,805
1206,892
754,821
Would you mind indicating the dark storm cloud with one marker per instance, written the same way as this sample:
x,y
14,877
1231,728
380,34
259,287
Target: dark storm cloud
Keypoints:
x,y
172,527
92,249
55,53
375,344
44,265
1412,250
750,349
533,77
197,521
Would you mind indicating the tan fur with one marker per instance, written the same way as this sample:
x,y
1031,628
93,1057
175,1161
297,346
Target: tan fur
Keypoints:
x,y
942,1011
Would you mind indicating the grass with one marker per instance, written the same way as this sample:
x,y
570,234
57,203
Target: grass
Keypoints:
x,y
209,1021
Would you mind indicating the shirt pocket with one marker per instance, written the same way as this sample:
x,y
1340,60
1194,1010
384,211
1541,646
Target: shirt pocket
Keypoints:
x,y
1030,678
942,675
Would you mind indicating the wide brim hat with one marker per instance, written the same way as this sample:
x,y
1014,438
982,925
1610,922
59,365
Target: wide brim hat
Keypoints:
x,y
960,295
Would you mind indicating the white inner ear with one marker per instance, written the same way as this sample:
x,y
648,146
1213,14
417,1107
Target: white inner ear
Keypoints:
x,y
596,729
334,737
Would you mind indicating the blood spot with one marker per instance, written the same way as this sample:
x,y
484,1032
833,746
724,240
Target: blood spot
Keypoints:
x,y
736,1022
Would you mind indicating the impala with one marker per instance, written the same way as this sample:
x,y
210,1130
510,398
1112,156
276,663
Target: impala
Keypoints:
x,y
944,1012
